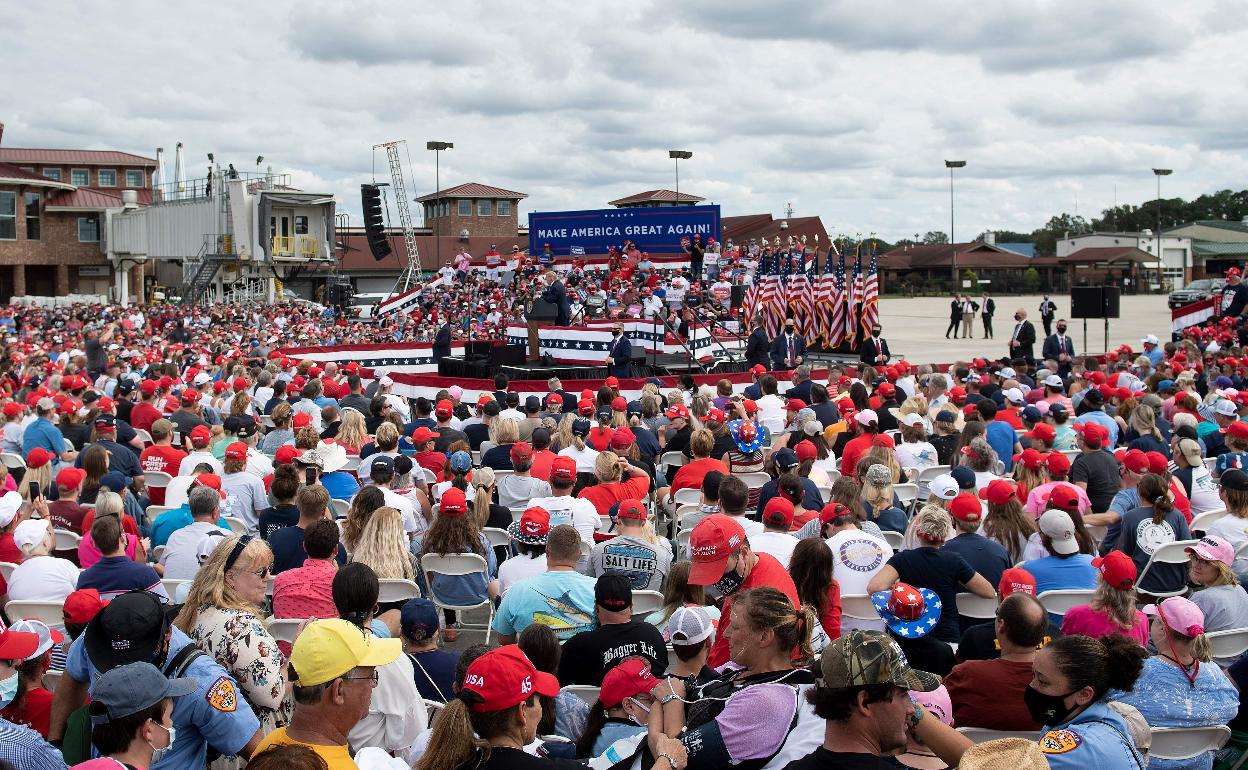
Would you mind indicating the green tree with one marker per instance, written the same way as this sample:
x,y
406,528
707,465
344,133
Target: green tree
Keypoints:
x,y
1031,280
970,280
936,236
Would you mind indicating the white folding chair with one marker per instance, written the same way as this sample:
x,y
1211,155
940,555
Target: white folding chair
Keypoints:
x,y
682,543
51,679
927,474
688,496
1202,521
1097,532
237,526
1210,463
429,476
66,540
895,539
906,493
171,586
1061,602
982,734
646,602
1230,643
284,629
12,461
6,570
340,507
825,492
999,468
155,510
52,613
457,564
687,520
352,465
156,479
144,436
587,548
585,692
671,458
1187,742
978,607
1169,553
858,606
754,480
397,590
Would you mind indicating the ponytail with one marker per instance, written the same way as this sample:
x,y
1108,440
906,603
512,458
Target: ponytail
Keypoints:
x,y
1155,490
453,741
593,728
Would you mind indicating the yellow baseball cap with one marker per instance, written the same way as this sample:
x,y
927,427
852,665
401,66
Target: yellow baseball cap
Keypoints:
x,y
329,648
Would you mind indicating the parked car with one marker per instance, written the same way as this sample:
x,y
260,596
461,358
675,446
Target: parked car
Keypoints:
x,y
1195,291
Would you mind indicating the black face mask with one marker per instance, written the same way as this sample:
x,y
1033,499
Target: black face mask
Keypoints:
x,y
1044,709
730,582
1061,330
875,332
1017,317
789,329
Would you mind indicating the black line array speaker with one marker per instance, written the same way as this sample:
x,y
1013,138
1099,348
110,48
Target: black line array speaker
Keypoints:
x,y
1094,301
374,224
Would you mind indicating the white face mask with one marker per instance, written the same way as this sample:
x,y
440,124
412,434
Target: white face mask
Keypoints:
x,y
644,708
8,690
159,754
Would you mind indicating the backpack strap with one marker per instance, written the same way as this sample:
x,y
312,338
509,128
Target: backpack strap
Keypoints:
x,y
179,663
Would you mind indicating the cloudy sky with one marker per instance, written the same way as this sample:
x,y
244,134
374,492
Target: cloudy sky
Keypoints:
x,y
845,108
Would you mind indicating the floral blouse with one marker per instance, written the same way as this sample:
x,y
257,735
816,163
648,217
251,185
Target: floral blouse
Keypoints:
x,y
239,641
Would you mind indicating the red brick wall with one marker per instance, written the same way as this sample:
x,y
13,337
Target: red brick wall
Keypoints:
x,y
93,179
493,226
58,245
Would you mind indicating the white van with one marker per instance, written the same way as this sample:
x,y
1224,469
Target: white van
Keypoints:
x,y
362,305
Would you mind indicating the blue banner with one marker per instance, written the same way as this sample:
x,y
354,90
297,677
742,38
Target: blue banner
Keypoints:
x,y
654,230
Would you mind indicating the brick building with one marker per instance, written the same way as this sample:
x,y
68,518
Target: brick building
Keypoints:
x,y
480,209
54,206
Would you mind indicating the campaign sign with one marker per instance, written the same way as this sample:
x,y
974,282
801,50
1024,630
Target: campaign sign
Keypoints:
x,y
654,230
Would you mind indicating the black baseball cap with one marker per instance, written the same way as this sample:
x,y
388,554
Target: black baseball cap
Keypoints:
x,y
247,429
1234,478
613,592
129,629
532,404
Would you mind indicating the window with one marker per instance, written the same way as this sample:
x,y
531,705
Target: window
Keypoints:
x,y
8,216
431,211
301,224
80,177
32,216
52,173
107,177
503,208
134,178
485,208
89,229
446,209
465,207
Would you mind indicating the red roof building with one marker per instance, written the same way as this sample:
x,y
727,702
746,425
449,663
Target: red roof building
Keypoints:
x,y
922,267
655,199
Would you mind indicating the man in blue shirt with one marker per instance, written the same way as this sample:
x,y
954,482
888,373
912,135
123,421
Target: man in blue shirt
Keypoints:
x,y
43,433
1153,351
988,557
1000,435
1095,402
134,628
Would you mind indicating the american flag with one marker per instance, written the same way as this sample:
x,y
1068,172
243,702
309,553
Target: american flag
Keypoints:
x,y
836,323
771,298
801,298
854,301
871,295
825,288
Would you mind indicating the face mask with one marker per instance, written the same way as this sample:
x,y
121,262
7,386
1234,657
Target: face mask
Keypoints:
x,y
875,332
730,582
1061,330
159,754
1017,317
8,690
644,708
1046,709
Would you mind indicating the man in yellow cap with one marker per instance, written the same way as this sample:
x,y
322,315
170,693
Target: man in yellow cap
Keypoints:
x,y
333,666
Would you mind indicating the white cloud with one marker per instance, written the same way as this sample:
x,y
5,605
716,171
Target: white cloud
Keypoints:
x,y
847,108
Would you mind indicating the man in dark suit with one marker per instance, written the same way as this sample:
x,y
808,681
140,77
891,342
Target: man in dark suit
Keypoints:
x,y
620,354
987,309
801,384
757,345
442,341
1059,347
1023,340
557,295
955,316
874,349
789,348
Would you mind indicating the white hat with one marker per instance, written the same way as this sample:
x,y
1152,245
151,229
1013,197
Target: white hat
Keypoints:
x,y
201,378
1053,381
1014,395
1007,373
333,455
1150,339
1060,529
385,382
31,532
912,419
867,416
34,626
688,625
944,486
1213,347
1225,408
10,503
207,544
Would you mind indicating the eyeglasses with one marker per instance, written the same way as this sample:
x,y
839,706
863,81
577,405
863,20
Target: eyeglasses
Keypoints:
x,y
262,573
374,677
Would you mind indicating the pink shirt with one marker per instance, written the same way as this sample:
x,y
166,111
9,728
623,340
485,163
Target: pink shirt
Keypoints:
x,y
305,592
1085,621
1039,496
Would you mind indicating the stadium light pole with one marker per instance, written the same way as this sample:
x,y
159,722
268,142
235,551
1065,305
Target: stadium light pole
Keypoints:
x,y
437,148
678,156
1159,173
953,259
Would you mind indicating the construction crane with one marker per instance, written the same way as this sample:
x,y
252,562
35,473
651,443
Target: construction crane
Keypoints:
x,y
412,272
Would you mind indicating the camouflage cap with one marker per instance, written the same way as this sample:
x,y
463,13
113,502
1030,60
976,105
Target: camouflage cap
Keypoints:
x,y
862,658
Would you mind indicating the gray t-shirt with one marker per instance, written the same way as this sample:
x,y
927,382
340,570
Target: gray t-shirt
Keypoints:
x,y
1225,607
517,491
644,564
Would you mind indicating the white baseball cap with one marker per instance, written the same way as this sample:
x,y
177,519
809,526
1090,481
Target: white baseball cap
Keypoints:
x,y
1007,373
31,532
1225,408
1060,529
867,416
1150,339
912,420
1053,381
1013,395
10,503
688,625
944,486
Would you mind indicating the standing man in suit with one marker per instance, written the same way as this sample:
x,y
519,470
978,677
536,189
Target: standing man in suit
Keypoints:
x,y
969,308
955,316
757,346
1023,340
620,354
987,307
789,348
442,341
874,349
557,295
1048,309
1060,348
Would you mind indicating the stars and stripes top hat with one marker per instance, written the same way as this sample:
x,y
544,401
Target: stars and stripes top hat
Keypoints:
x,y
909,612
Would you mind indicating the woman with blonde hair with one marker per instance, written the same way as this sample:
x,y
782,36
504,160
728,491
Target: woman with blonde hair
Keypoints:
x,y
281,432
1142,432
41,473
351,432
454,531
1112,609
109,503
307,438
485,512
363,505
503,433
877,496
1220,596
222,616
383,545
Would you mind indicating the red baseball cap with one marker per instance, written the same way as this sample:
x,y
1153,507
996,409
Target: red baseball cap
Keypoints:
x,y
886,389
623,438
779,511
758,369
1157,462
831,510
627,679
998,492
632,509
423,434
285,454
563,468
1064,497
505,677
12,409
38,457
1117,569
444,408
794,405
1016,579
805,450
619,404
1092,433
1238,429
534,522
749,405
1058,463
453,503
966,507
200,435
70,478
521,451
148,386
715,414
240,383
236,451
80,606
711,544
190,397
1135,461
1043,431
613,382
677,410
166,382
301,420
210,480
585,406
1031,458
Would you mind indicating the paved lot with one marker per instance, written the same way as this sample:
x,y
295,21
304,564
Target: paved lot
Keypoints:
x,y
916,327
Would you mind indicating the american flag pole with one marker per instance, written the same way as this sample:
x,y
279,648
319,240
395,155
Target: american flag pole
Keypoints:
x,y
871,293
836,328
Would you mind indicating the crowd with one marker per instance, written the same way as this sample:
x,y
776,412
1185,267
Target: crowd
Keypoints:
x,y
217,555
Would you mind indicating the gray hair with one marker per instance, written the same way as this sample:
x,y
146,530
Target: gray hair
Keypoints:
x,y
801,373
204,501
939,381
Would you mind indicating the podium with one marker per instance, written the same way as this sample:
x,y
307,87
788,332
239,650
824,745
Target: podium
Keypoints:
x,y
541,312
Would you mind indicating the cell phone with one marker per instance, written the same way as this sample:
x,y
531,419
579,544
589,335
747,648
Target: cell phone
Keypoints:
x,y
177,437
309,476
34,490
